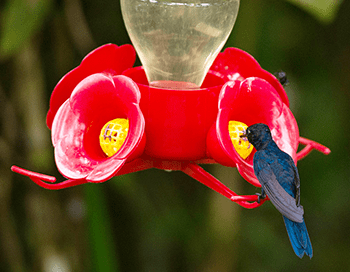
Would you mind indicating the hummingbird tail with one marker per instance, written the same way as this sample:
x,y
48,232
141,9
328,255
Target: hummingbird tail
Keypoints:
x,y
299,237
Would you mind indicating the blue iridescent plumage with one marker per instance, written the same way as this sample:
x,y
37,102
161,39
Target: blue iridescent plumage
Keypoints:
x,y
279,179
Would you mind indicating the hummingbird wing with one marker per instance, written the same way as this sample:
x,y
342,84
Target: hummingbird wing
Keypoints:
x,y
296,182
284,203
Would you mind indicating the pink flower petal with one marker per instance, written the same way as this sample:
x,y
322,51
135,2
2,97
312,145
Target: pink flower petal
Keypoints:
x,y
251,101
105,170
285,132
96,98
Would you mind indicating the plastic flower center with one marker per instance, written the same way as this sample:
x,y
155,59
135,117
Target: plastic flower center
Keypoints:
x,y
113,135
242,146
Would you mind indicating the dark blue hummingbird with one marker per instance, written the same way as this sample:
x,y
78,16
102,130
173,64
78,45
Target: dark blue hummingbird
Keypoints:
x,y
279,179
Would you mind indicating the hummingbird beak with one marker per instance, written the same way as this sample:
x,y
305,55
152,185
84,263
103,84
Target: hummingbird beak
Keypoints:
x,y
244,135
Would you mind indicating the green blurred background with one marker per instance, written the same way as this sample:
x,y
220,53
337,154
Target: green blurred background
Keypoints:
x,y
154,220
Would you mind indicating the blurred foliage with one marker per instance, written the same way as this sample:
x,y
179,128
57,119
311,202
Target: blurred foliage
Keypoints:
x,y
323,10
20,20
154,220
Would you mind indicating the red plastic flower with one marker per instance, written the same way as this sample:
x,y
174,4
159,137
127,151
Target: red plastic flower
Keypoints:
x,y
252,95
96,100
251,101
82,102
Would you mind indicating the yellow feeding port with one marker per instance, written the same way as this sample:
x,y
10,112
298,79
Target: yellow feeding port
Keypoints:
x,y
242,146
113,135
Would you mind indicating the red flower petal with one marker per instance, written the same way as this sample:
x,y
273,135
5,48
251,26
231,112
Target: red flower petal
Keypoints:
x,y
235,64
250,100
109,59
